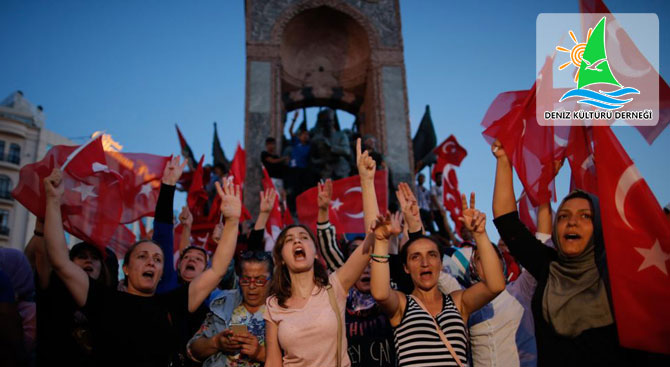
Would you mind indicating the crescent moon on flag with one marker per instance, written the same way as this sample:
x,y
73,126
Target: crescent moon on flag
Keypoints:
x,y
359,214
629,177
447,144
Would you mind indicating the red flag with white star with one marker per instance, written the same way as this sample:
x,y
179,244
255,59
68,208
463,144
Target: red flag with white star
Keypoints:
x,y
91,205
637,240
346,203
141,175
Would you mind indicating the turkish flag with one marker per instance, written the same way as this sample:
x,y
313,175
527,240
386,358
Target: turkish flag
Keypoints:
x,y
91,205
531,148
141,176
346,203
637,240
449,152
275,222
122,239
86,159
630,66
197,196
580,156
451,196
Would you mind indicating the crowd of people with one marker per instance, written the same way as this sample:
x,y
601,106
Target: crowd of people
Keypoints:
x,y
312,155
402,294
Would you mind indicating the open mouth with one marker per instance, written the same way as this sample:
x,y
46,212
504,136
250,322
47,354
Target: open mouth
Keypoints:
x,y
148,274
426,274
88,269
365,279
299,253
190,267
572,236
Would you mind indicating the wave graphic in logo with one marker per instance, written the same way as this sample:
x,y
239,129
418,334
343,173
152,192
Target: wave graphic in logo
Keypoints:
x,y
604,100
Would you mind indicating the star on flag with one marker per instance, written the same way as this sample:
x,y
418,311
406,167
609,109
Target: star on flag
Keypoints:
x,y
336,204
85,191
653,256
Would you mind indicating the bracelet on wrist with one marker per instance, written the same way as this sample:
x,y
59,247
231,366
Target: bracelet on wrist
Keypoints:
x,y
380,260
380,256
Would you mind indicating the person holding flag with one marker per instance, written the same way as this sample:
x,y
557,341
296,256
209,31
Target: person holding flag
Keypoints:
x,y
574,323
137,327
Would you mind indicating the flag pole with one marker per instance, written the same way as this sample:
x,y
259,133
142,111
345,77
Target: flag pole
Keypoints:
x,y
77,151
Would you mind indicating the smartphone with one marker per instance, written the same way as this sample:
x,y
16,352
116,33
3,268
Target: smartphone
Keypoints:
x,y
238,329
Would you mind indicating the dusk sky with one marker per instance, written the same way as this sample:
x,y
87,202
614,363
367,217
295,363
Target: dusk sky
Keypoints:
x,y
135,68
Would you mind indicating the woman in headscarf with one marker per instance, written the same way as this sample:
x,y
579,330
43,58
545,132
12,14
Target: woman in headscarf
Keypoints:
x,y
574,323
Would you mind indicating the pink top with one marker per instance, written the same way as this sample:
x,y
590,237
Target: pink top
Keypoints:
x,y
308,335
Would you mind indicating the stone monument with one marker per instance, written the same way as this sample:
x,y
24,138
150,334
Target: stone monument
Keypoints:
x,y
342,54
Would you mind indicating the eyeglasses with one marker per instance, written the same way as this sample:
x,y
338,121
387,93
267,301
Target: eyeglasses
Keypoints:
x,y
258,255
258,281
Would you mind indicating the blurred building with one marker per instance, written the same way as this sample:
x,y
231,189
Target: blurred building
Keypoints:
x,y
23,140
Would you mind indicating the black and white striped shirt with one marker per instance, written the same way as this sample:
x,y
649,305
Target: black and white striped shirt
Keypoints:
x,y
417,342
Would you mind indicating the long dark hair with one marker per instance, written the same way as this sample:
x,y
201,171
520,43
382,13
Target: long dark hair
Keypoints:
x,y
281,281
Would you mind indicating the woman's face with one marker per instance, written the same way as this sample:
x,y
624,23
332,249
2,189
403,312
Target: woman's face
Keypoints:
x,y
90,262
192,264
574,226
299,251
424,263
144,269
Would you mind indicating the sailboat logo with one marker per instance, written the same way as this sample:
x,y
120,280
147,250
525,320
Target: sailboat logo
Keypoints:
x,y
591,59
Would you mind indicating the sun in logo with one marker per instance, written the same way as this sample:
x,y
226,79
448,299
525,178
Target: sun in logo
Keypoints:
x,y
576,52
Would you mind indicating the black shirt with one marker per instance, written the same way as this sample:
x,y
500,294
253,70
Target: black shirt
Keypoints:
x,y
132,330
593,347
63,331
275,170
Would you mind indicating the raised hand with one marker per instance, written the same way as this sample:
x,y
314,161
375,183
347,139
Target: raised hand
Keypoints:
x,y
185,217
473,219
409,206
325,191
231,204
382,227
173,170
53,184
268,199
497,149
366,165
396,223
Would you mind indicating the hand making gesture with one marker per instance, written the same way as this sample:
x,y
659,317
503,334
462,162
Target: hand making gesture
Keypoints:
x,y
366,165
473,219
185,217
173,170
409,207
268,197
325,191
231,205
53,185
